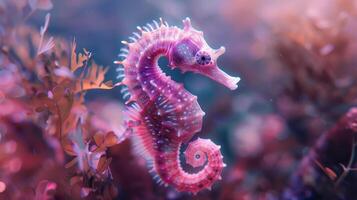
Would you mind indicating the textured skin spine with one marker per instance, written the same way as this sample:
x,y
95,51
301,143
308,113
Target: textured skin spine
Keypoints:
x,y
163,114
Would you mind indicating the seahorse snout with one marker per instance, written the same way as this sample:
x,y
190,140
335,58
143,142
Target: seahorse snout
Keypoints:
x,y
221,77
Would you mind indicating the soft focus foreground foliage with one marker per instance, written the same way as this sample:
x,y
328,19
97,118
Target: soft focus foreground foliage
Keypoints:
x,y
43,114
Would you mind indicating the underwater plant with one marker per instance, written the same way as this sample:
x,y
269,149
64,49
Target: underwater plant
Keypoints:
x,y
164,115
323,172
43,113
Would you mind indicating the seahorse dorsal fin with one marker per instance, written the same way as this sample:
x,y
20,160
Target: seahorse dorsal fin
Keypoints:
x,y
161,22
187,24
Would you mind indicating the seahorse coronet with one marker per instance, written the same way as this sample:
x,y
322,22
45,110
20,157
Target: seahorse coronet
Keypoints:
x,y
167,115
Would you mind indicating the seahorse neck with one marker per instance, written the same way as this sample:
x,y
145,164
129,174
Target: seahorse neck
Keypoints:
x,y
152,78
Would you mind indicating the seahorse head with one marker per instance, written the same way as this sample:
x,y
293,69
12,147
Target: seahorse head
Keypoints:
x,y
192,53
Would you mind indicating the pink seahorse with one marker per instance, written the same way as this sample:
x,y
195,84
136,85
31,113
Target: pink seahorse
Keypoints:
x,y
165,115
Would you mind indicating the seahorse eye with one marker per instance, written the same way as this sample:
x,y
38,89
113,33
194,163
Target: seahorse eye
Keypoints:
x,y
203,58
